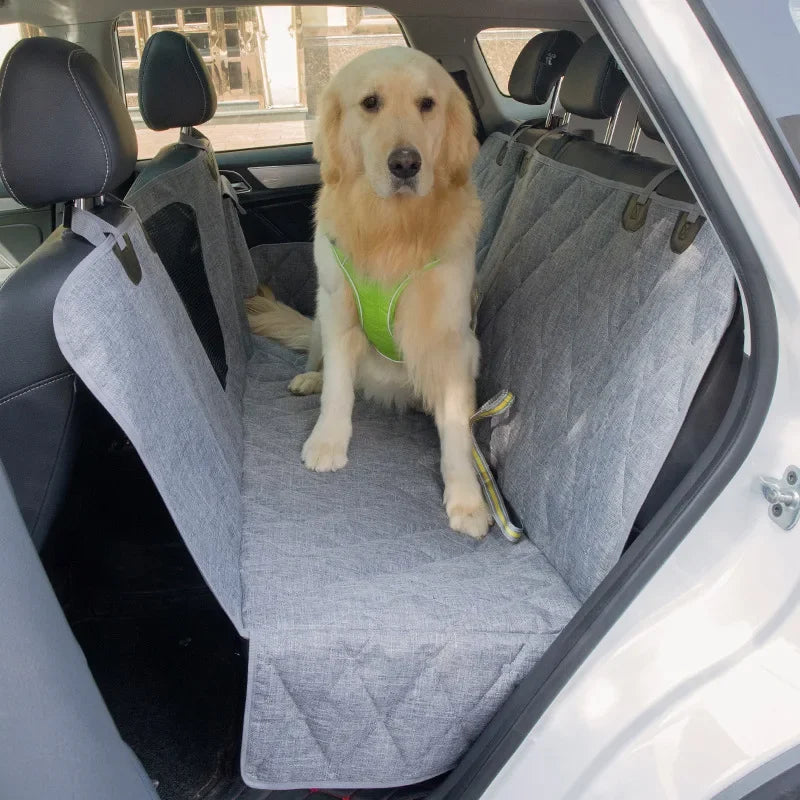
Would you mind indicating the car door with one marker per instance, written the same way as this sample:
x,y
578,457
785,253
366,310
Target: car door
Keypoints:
x,y
277,187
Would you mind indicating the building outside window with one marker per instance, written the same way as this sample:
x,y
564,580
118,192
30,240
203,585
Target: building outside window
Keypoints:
x,y
268,64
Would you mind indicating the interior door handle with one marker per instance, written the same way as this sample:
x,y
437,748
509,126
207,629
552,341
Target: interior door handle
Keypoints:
x,y
238,183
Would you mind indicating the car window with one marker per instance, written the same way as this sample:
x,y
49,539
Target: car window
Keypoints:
x,y
268,64
10,34
767,72
500,48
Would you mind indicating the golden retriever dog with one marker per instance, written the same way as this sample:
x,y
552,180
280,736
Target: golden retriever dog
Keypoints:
x,y
396,145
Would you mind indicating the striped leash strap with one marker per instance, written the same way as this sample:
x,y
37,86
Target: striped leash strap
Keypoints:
x,y
499,404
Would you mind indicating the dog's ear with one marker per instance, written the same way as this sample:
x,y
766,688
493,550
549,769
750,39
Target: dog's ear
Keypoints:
x,y
326,141
460,144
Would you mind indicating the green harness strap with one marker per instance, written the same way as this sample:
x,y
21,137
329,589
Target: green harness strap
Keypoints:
x,y
376,304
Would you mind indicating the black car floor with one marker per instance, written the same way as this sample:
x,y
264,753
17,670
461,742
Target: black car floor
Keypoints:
x,y
169,663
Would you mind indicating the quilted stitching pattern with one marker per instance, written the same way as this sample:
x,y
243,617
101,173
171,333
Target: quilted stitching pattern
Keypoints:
x,y
416,792
391,688
397,603
619,329
494,183
288,269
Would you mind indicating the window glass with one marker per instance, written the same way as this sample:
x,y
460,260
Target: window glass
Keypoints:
x,y
160,19
763,40
10,34
194,16
268,65
500,48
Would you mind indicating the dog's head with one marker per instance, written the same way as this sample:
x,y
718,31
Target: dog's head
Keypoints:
x,y
395,119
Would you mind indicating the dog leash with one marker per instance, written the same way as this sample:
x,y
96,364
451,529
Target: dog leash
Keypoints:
x,y
499,404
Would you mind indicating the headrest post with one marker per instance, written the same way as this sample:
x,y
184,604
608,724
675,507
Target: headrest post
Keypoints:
x,y
186,130
551,112
612,124
635,133
645,125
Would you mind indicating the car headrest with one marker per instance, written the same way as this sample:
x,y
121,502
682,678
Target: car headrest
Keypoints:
x,y
64,129
175,90
646,124
593,83
540,64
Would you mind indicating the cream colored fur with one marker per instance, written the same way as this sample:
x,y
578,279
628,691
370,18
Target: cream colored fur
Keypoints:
x,y
269,317
387,231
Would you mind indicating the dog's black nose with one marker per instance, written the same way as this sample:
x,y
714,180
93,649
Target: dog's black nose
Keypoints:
x,y
404,162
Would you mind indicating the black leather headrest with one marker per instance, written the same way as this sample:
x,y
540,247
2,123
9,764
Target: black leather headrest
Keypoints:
x,y
540,64
646,124
175,90
593,83
64,128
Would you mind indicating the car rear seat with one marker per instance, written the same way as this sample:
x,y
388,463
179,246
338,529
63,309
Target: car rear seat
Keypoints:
x,y
381,642
288,268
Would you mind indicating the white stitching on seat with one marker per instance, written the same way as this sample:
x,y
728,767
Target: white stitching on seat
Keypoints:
x,y
2,86
37,386
91,114
199,80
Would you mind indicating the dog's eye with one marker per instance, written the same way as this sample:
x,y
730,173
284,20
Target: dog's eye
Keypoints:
x,y
426,104
371,102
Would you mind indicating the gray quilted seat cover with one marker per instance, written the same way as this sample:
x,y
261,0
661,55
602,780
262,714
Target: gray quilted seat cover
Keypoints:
x,y
288,269
494,174
380,642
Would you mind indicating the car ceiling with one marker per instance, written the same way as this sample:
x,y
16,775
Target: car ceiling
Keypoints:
x,y
47,13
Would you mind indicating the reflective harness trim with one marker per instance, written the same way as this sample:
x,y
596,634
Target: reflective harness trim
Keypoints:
x,y
499,404
377,305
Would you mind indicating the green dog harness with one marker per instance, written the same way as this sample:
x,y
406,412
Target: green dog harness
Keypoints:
x,y
377,304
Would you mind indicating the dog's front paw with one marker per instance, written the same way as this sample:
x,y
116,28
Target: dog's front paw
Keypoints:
x,y
324,453
306,383
473,521
466,510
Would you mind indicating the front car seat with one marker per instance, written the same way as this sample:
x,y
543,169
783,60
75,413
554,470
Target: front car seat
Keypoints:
x,y
83,146
64,134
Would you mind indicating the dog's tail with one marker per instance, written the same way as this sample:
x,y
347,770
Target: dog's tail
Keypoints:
x,y
269,317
